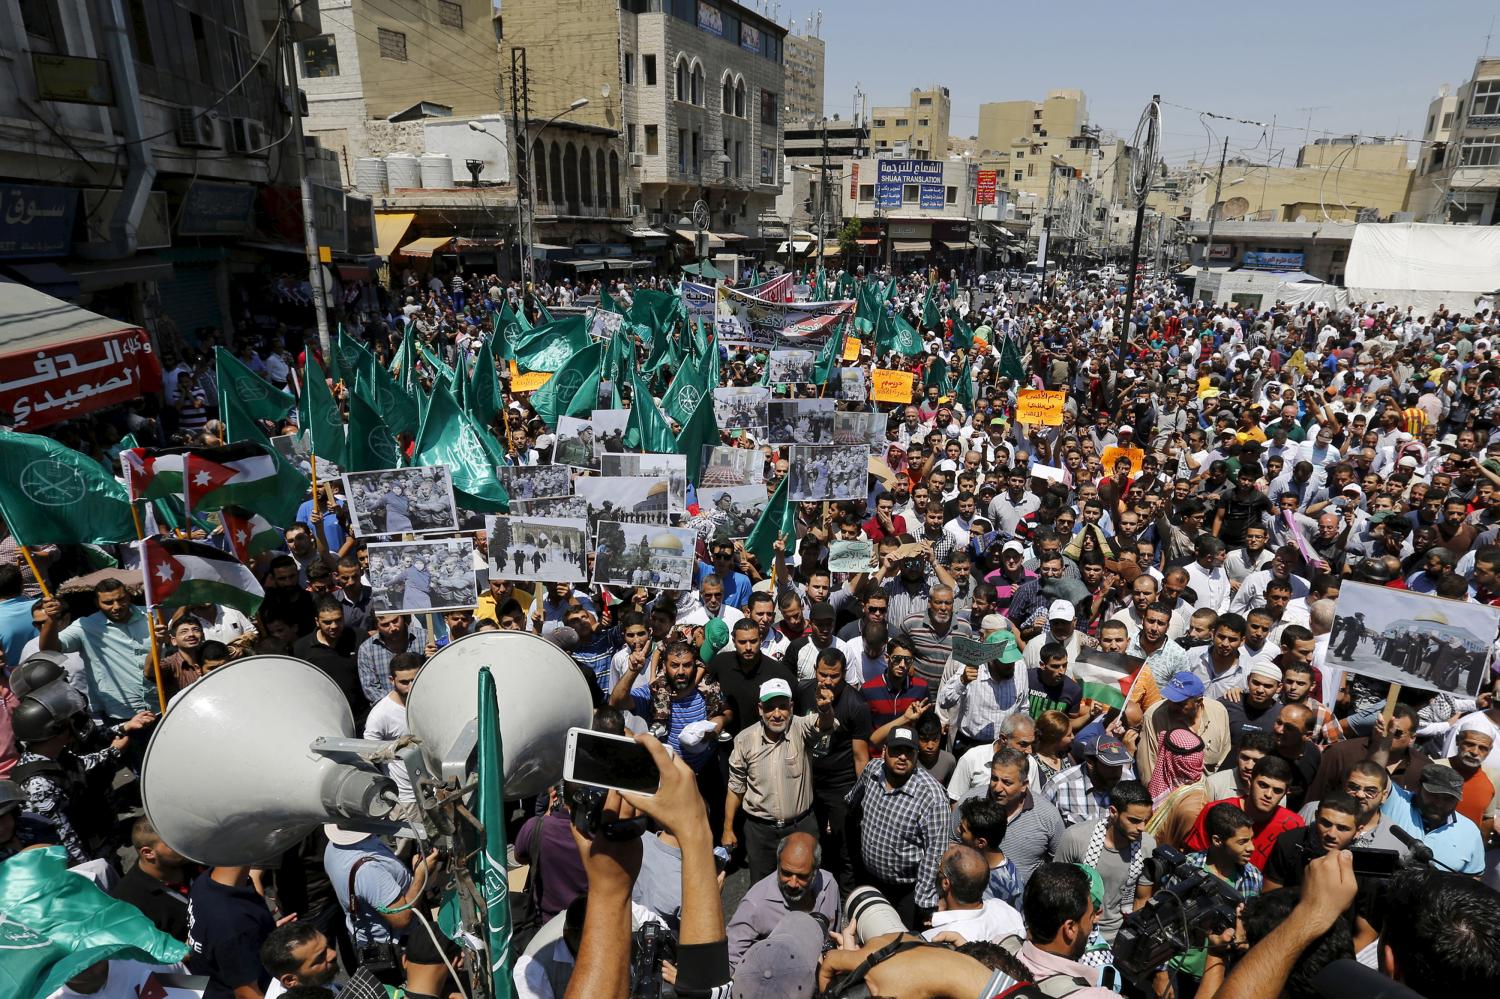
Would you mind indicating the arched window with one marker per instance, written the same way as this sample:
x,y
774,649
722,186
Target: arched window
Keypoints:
x,y
614,179
556,166
739,97
539,166
680,78
601,182
586,176
696,85
570,174
726,93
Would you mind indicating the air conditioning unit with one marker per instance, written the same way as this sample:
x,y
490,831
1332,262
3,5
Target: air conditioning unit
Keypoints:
x,y
246,135
197,128
633,210
653,218
637,160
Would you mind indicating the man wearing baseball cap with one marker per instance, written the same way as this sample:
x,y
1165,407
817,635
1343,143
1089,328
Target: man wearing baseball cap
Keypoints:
x,y
1183,708
1081,792
770,775
1431,813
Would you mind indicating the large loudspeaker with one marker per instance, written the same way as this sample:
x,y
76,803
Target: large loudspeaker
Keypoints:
x,y
541,693
229,777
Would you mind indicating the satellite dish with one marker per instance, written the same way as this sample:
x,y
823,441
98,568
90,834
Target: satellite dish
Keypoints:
x,y
1301,218
604,90
1235,207
542,695
231,777
701,218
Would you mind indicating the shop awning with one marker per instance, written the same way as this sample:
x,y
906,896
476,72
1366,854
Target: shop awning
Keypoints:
x,y
715,241
616,264
45,277
831,250
426,246
58,361
646,233
868,242
728,237
390,229
952,245
584,264
910,246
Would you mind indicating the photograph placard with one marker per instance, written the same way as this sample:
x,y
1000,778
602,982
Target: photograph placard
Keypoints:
x,y
416,577
401,501
644,555
625,499
827,473
529,482
672,467
575,443
801,421
740,407
1413,639
731,466
540,548
791,367
729,511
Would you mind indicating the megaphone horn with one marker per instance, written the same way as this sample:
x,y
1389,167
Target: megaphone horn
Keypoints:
x,y
254,756
542,694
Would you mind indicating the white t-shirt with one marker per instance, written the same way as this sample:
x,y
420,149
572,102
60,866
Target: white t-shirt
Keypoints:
x,y
387,720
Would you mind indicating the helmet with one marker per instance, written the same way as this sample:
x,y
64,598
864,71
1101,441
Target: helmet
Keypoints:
x,y
47,712
37,670
11,796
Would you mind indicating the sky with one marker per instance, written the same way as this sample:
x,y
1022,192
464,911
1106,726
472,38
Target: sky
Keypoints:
x,y
1368,67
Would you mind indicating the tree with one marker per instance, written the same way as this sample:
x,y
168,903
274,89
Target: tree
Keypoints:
x,y
848,240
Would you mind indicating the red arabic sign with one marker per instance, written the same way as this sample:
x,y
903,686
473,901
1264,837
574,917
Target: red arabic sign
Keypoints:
x,y
984,188
853,181
42,387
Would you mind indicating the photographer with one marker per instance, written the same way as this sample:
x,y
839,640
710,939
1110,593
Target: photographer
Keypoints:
x,y
603,957
1231,844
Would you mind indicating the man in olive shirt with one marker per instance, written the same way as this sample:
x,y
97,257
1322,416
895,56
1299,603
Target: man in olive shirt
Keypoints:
x,y
770,775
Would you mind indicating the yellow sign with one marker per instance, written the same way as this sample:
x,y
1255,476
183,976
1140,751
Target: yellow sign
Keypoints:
x,y
1114,454
325,254
530,381
891,386
851,348
1036,406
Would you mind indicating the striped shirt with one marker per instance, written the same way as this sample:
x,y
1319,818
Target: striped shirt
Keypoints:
x,y
1031,837
902,831
932,648
685,712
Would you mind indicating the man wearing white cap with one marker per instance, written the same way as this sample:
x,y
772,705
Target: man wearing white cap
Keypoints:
x,y
770,775
1061,627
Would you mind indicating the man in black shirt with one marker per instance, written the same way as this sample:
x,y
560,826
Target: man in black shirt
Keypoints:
x,y
1241,506
1255,707
1333,828
740,672
837,759
331,648
158,883
819,638
229,922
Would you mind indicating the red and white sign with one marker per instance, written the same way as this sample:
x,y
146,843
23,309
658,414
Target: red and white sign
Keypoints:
x,y
984,188
853,181
48,385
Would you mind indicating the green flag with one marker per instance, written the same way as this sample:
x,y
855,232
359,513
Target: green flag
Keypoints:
x,y
619,360
404,365
895,334
609,303
483,395
490,872
323,419
777,520
58,924
647,429
548,347
351,356
437,364
963,389
937,374
932,319
686,391
396,406
509,326
258,399
556,398
449,436
655,310
52,495
700,339
829,357
963,337
371,445
700,431
1010,360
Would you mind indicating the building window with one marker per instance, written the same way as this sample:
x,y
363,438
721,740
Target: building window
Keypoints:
x,y
697,154
320,57
614,179
648,69
140,33
880,123
739,158
903,122
585,177
1031,169
726,94
629,138
652,143
1486,98
450,14
628,65
1016,179
911,194
539,168
392,44
767,165
1482,151
768,107
739,98
924,102
40,20
695,85
1447,119
921,122
680,80
1430,122
682,150
950,196
867,192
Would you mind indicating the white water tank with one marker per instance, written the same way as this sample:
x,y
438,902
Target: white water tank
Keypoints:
x,y
370,175
437,170
402,171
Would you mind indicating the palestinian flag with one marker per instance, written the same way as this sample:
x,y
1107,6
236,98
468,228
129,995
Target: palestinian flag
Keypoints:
x,y
152,474
1106,677
249,534
182,573
243,474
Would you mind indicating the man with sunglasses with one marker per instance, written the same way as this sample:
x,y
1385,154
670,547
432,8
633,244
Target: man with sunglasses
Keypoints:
x,y
724,563
891,694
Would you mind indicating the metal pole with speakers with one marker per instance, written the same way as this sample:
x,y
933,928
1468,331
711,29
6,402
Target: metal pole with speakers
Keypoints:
x,y
1143,172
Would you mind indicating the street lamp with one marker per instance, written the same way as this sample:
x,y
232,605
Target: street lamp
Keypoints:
x,y
526,207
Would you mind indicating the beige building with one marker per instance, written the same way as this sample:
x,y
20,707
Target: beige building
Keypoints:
x,y
1019,139
1458,173
1340,178
917,131
803,66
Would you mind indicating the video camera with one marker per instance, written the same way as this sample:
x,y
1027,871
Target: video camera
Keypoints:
x,y
1188,905
652,944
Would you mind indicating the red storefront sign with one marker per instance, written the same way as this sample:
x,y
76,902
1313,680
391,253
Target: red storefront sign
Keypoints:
x,y
853,181
50,384
984,188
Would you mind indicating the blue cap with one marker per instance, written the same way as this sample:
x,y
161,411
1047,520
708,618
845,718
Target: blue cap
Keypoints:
x,y
1183,686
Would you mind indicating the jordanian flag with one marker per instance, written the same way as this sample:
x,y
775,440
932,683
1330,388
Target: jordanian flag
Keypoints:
x,y
182,573
244,474
153,474
1106,677
249,534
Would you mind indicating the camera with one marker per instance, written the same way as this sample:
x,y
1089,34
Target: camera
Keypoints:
x,y
586,806
872,914
1189,905
652,944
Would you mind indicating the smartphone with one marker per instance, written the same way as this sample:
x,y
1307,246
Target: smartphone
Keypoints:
x,y
611,761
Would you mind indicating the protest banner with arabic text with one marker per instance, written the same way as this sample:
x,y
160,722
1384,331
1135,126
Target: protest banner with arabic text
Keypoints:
x,y
891,386
1114,454
745,320
1036,406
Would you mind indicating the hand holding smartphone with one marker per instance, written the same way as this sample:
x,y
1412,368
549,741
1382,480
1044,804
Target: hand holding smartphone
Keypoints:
x,y
616,762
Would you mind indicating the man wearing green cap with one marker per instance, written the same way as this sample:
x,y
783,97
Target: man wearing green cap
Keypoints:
x,y
981,697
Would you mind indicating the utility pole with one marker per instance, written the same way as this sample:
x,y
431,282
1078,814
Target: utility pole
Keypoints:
x,y
823,200
309,217
1044,248
1213,209
520,127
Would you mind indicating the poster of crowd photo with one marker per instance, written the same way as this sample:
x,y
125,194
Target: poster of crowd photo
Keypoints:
x,y
609,432
529,482
1412,639
555,507
741,407
401,501
627,499
643,555
801,421
731,466
827,473
541,548
729,512
414,577
791,367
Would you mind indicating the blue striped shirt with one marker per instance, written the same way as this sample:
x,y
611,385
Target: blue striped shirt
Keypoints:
x,y
685,712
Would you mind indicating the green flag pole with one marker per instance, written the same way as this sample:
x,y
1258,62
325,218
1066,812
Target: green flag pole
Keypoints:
x,y
489,806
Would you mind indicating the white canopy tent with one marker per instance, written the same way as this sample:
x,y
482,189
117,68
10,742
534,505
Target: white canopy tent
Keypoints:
x,y
1424,266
